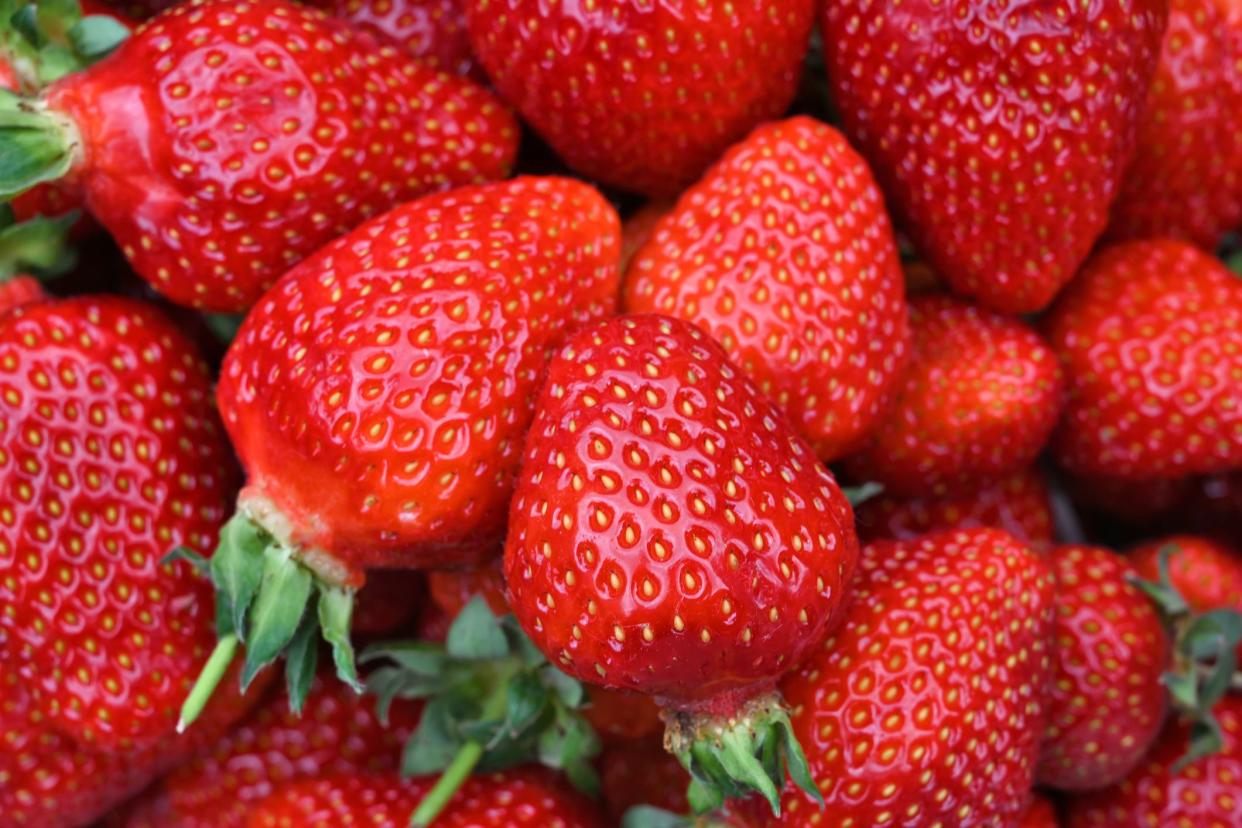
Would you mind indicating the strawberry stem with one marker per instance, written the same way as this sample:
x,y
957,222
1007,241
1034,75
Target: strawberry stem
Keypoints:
x,y
214,670
468,756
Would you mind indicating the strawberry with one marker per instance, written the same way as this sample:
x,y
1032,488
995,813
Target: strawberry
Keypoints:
x,y
432,30
639,227
388,601
672,535
388,433
337,732
1186,176
452,589
620,716
1150,337
1158,792
1106,702
642,96
110,451
228,139
999,131
783,253
512,799
1040,815
924,708
641,772
977,402
1020,504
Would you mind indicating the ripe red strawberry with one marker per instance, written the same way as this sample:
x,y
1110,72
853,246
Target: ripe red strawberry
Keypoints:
x,y
512,799
1019,504
642,96
452,589
1040,815
1150,337
1207,574
999,131
18,290
672,535
1106,701
642,772
228,139
431,30
784,254
620,716
977,402
1186,176
925,707
387,433
337,732
1202,795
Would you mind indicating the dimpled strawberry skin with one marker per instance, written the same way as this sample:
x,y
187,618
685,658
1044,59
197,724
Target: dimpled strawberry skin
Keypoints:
x,y
999,130
379,394
111,455
431,30
784,254
980,395
642,96
1106,701
1150,336
671,533
228,140
927,702
1186,176
1206,573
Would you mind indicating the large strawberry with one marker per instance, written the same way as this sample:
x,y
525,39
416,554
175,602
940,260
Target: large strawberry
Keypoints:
x,y
643,96
1160,792
1106,701
1150,337
110,453
672,535
1186,176
378,397
925,708
336,732
431,30
513,799
1020,504
977,402
228,139
783,253
999,130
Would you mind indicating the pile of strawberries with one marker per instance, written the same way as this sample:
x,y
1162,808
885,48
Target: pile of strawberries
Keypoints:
x,y
829,415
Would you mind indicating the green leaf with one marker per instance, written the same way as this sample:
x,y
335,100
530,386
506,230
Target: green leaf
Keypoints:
x,y
237,568
1205,739
283,595
858,495
300,662
645,816
796,765
703,799
224,326
26,22
434,744
570,691
38,245
525,700
476,633
1184,689
35,145
421,658
336,608
97,36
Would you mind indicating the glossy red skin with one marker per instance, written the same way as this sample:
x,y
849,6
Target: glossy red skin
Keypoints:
x,y
111,455
1150,337
784,254
1019,504
961,718
1203,795
431,324
19,290
452,589
432,30
512,799
1186,177
999,131
1106,703
389,601
671,533
643,96
212,202
642,772
337,733
977,402
1040,815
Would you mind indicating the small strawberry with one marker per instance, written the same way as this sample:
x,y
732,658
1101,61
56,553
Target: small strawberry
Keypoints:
x,y
228,139
1206,573
1186,177
1150,337
452,589
1106,701
1159,792
999,131
784,254
387,432
432,30
643,96
672,535
337,732
511,799
1019,504
977,402
924,709
642,772
1041,814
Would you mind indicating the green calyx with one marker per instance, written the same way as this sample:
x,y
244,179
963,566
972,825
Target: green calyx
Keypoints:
x,y
37,247
492,701
274,606
36,144
44,41
751,751
858,495
1204,665
645,816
